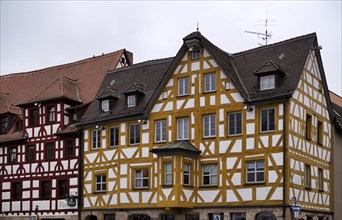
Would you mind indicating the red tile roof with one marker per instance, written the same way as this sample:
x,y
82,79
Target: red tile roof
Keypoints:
x,y
60,81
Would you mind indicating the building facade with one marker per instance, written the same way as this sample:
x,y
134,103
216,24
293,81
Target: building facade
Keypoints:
x,y
39,140
212,135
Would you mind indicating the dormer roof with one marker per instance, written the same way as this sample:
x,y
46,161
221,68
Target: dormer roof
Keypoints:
x,y
135,87
267,68
108,93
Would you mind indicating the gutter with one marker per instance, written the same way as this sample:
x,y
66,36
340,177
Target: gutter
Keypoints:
x,y
284,159
80,172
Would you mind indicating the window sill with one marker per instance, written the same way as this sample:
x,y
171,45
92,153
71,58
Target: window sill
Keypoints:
x,y
234,135
208,186
113,147
100,192
211,137
182,96
167,186
159,142
266,132
209,92
308,188
254,183
188,186
137,144
141,189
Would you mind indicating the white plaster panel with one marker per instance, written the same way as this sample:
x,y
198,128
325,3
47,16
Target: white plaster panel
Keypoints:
x,y
205,53
123,183
280,109
170,136
213,63
195,66
167,192
231,197
123,127
231,162
236,179
262,192
48,129
168,107
264,140
103,144
280,124
250,128
237,97
275,139
206,65
145,138
190,103
250,143
157,107
221,131
177,69
213,100
237,148
185,69
26,194
5,206
129,151
223,146
91,157
221,115
250,115
180,103
187,193
86,147
277,194
5,195
36,132
169,83
297,179
278,158
246,194
224,99
208,196
26,205
145,152
123,198
55,128
26,184
202,101
272,176
146,196
6,185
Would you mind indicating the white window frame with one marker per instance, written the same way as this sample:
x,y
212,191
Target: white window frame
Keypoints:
x,y
209,82
210,174
267,120
187,172
168,173
105,105
209,126
141,178
183,86
13,154
95,143
131,101
136,135
233,125
196,54
183,128
102,182
255,171
51,114
267,82
112,132
160,130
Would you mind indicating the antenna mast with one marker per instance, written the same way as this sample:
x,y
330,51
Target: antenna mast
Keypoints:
x,y
265,36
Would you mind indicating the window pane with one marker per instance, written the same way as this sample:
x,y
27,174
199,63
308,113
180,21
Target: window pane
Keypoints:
x,y
250,166
250,177
214,179
260,176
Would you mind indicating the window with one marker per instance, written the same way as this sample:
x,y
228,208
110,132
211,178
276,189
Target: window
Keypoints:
x,y
183,86
13,155
3,125
235,123
139,217
134,134
18,126
167,216
209,174
101,183
114,136
196,54
49,151
45,189
96,139
183,128
51,114
30,153
267,119
319,132
209,126
255,171
308,127
69,148
267,82
160,127
307,176
109,216
187,167
16,190
238,216
105,105
34,119
210,82
167,173
215,216
62,188
141,178
320,179
192,216
131,101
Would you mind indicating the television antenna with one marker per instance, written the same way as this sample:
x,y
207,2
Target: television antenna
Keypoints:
x,y
264,36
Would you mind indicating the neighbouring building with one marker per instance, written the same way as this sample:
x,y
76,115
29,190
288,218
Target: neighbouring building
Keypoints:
x,y
211,135
39,138
336,102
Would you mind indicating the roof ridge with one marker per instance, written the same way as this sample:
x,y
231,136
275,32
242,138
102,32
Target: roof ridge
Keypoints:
x,y
273,45
63,65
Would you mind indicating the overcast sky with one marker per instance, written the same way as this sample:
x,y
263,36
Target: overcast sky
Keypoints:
x,y
39,34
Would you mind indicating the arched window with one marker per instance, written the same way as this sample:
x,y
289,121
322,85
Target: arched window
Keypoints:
x,y
139,217
265,216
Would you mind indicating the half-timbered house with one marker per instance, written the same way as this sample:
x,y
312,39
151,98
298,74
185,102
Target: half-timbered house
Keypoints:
x,y
212,135
39,142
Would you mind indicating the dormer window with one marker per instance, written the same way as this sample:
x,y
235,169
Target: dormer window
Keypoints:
x,y
267,82
105,105
196,54
131,101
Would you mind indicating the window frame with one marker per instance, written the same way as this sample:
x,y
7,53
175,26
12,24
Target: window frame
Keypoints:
x,y
255,172
131,101
114,136
268,117
16,190
236,125
320,184
183,86
307,176
142,178
51,115
211,174
160,131
3,125
45,191
182,130
211,84
308,126
30,152
12,159
211,126
105,105
319,132
49,151
167,173
136,135
96,143
187,173
102,183
59,188
33,118
195,54
267,82
67,148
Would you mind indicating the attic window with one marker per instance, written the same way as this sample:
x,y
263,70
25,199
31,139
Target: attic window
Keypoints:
x,y
105,105
131,102
267,82
196,54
